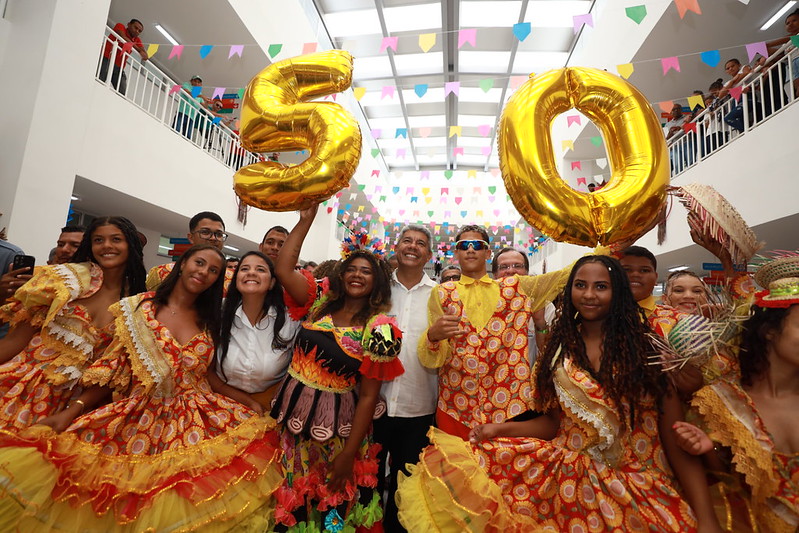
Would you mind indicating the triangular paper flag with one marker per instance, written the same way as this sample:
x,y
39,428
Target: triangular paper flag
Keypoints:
x,y
666,106
687,5
448,174
388,42
205,50
455,130
735,92
152,49
581,20
467,36
425,132
309,48
484,130
176,51
401,132
711,58
596,141
567,145
602,162
426,41
452,87
237,49
753,49
669,63
626,70
375,151
636,13
521,30
458,150
486,84
388,90
696,101
572,119
219,92
420,89
577,164
358,92
273,50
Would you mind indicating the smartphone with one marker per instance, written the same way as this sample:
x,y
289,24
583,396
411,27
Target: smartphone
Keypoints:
x,y
24,261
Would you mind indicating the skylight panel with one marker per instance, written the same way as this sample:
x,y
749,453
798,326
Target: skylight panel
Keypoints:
x,y
476,94
427,121
486,14
372,67
413,18
473,142
479,61
477,120
555,14
348,23
471,160
387,123
538,62
424,142
416,64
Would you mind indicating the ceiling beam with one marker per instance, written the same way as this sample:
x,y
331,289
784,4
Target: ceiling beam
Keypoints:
x,y
449,29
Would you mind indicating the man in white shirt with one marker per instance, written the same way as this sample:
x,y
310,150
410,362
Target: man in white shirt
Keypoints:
x,y
410,398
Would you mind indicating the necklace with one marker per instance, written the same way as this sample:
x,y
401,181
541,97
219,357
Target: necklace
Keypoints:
x,y
170,310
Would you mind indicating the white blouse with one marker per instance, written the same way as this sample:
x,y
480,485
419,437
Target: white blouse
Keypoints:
x,y
251,364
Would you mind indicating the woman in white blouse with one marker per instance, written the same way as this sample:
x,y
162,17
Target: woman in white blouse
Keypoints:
x,y
254,349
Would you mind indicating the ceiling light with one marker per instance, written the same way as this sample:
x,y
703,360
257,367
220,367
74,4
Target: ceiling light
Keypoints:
x,y
778,15
482,61
166,34
75,198
416,64
679,268
231,248
351,23
415,18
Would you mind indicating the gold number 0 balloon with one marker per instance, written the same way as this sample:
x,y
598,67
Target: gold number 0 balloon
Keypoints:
x,y
624,208
276,118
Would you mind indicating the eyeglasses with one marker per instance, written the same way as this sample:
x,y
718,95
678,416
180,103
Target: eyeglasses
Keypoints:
x,y
455,277
208,234
515,266
476,245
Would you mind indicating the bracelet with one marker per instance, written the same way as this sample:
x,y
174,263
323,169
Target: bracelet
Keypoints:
x,y
542,331
79,402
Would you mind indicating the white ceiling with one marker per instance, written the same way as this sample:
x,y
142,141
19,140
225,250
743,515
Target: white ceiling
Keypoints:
x,y
359,26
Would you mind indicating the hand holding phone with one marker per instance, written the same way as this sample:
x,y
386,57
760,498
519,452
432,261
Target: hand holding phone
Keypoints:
x,y
20,271
24,261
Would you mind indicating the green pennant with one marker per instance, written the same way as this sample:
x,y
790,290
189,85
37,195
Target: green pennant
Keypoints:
x,y
795,40
596,141
375,151
361,187
274,49
448,174
487,84
492,189
636,13
241,92
430,213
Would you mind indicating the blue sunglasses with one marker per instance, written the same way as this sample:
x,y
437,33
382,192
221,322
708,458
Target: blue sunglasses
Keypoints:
x,y
476,245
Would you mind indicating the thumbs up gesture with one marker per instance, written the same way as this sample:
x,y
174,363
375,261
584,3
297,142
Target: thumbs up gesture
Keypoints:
x,y
446,327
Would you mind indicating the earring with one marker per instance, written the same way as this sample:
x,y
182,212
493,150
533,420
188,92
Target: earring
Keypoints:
x,y
576,315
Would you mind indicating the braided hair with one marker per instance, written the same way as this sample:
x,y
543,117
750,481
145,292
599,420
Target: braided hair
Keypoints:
x,y
623,370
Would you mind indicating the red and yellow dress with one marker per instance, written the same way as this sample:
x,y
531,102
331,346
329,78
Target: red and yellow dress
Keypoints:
x,y
41,379
169,455
315,407
762,494
593,476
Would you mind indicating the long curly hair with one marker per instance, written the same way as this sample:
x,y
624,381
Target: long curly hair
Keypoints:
x,y
272,300
379,300
135,273
753,352
623,370
208,303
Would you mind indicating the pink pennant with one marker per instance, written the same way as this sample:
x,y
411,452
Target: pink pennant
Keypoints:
x,y
401,153
177,50
573,119
444,190
666,105
458,200
235,50
494,172
425,175
467,36
425,132
684,6
388,90
486,150
577,164
389,42
756,48
376,174
376,132
582,20
484,130
219,92
452,87
458,150
174,89
735,92
378,188
580,181
409,190
309,48
669,63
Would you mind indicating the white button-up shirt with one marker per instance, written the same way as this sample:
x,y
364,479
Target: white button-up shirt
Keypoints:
x,y
251,364
415,392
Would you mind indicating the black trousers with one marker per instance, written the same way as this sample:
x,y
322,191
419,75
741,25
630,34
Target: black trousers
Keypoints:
x,y
402,440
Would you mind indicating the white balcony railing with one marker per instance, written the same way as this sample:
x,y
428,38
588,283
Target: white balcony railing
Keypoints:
x,y
150,89
765,93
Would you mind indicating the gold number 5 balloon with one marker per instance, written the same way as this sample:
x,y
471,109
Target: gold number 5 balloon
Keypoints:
x,y
629,203
275,117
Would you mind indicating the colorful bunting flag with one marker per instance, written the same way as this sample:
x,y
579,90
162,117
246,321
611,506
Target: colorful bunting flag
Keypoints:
x,y
152,50
696,101
388,42
219,92
573,119
425,132
237,49
596,141
711,58
582,20
626,70
753,49
669,63
426,41
358,92
484,130
486,84
684,6
521,30
636,13
177,50
467,36
453,87
420,89
455,130
567,145
577,164
388,90
309,48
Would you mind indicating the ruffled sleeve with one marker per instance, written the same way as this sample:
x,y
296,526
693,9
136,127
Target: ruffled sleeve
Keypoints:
x,y
113,368
316,289
39,300
382,341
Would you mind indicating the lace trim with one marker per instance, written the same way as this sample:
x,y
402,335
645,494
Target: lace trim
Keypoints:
x,y
600,418
733,424
147,359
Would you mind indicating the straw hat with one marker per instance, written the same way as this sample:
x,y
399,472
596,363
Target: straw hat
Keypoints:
x,y
779,275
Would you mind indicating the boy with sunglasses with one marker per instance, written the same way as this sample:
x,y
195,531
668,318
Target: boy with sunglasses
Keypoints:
x,y
477,338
